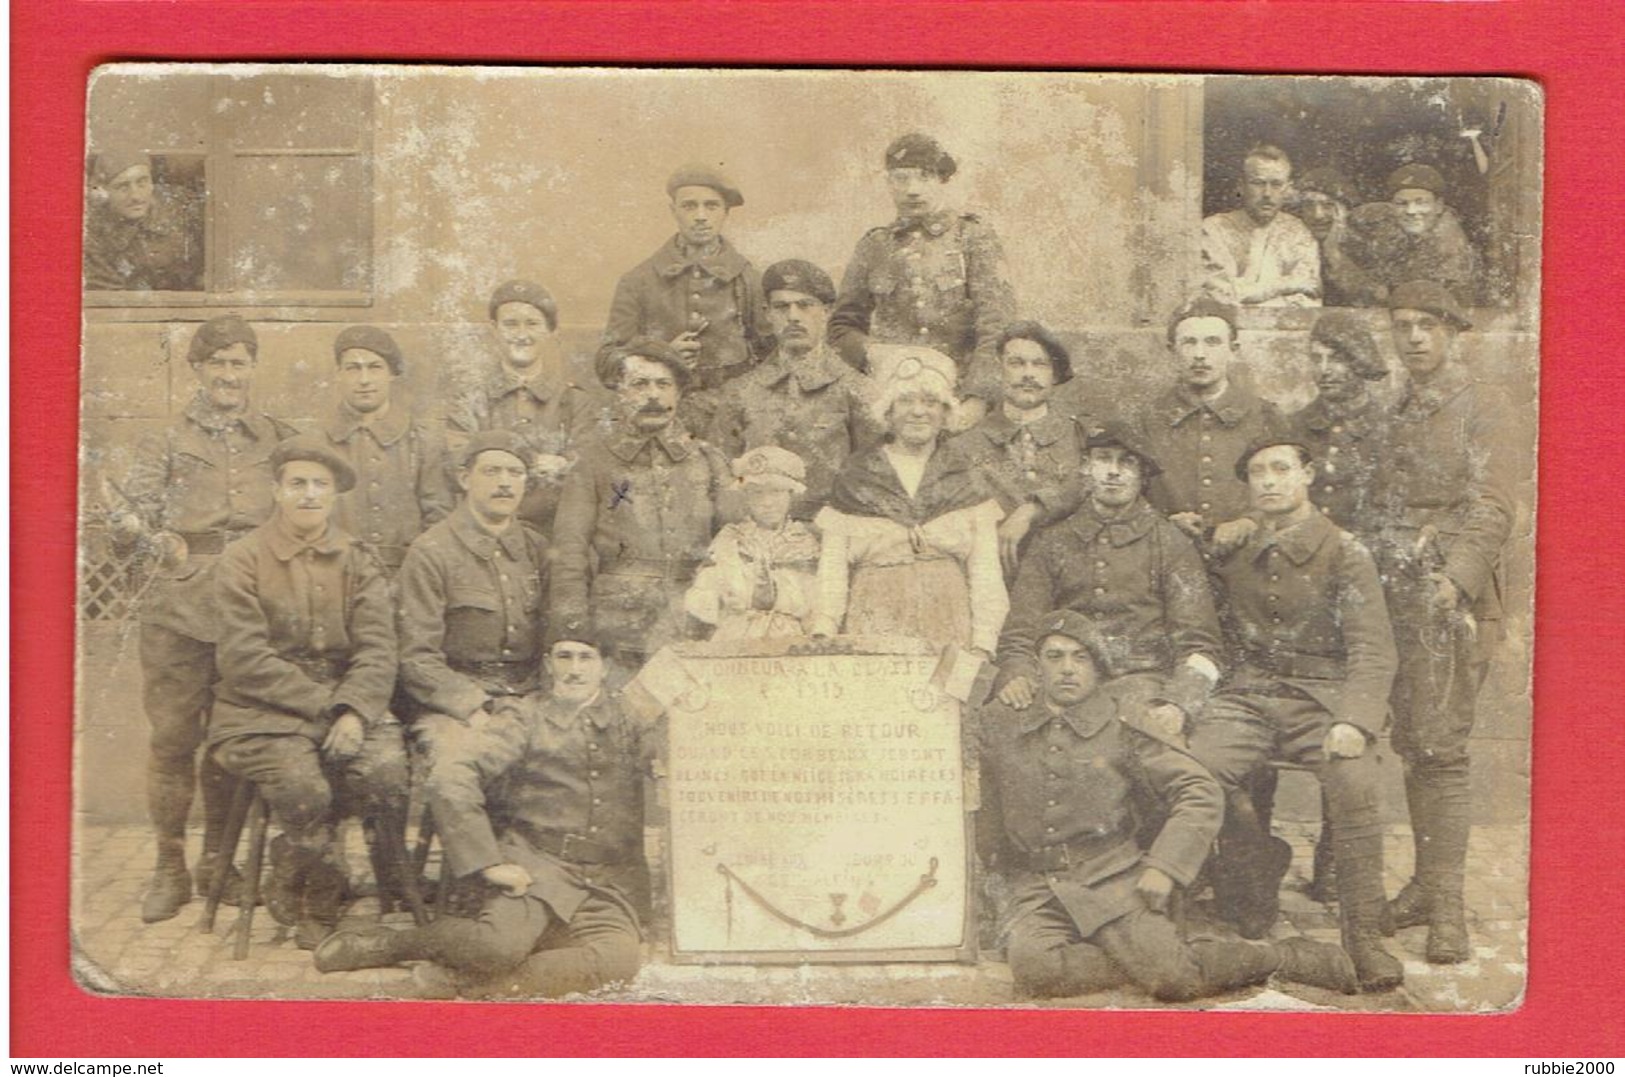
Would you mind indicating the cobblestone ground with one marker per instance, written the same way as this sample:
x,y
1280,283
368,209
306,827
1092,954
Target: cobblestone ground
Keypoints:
x,y
116,953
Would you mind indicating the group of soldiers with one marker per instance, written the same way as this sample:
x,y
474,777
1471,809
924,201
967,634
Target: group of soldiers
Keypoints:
x,y
1195,588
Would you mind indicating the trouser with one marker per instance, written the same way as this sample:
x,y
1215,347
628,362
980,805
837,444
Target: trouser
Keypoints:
x,y
517,947
1238,735
1049,958
178,675
1441,669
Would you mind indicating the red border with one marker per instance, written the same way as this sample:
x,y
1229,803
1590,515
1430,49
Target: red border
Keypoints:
x,y
1577,971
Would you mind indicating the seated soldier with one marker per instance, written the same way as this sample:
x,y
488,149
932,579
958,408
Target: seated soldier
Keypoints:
x,y
761,576
307,664
1062,785
547,813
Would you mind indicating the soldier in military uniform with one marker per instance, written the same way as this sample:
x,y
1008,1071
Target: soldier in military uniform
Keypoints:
x,y
638,513
1313,660
932,277
1415,236
697,293
1138,579
802,398
1345,426
192,489
528,392
307,666
138,238
1066,787
1447,499
1325,199
546,813
401,483
471,593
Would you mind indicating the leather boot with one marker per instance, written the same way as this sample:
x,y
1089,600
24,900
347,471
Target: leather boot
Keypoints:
x,y
324,891
1410,909
1263,906
284,885
1361,904
1318,964
1323,881
1448,943
171,883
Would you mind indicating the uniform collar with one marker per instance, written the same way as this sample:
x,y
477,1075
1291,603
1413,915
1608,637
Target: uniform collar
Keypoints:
x,y
1298,542
254,425
725,264
1000,429
482,543
812,371
934,224
1319,416
1421,401
1085,719
562,715
542,387
1233,406
674,441
1131,527
386,429
285,545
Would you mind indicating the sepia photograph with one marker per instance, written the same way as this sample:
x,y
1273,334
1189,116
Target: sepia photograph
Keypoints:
x,y
752,536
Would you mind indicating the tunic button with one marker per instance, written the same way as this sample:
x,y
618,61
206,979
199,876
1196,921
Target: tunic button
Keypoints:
x,y
592,830
1331,468
1332,451
1206,438
1207,459
1052,803
1274,597
924,330
1100,564
592,774
1054,747
1204,506
597,800
1100,590
1275,579
1336,430
1206,481
1049,830
593,747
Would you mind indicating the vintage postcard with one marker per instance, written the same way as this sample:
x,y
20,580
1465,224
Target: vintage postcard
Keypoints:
x,y
789,536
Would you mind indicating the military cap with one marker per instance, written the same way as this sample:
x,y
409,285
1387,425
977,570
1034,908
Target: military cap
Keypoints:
x,y
575,632
1430,297
524,291
495,441
1060,360
795,275
772,466
1268,440
610,364
370,338
1115,434
1346,333
1327,181
1075,626
915,150
113,161
315,448
701,176
1415,177
218,333
1203,306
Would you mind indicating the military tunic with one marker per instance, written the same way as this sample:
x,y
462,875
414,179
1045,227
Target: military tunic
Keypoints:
x,y
940,282
816,407
1392,256
1019,460
162,251
1349,445
635,520
401,481
551,416
1197,443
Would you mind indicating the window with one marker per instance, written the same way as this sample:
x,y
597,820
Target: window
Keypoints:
x,y
262,190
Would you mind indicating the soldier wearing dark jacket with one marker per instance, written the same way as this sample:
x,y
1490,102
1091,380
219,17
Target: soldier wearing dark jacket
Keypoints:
x,y
1312,662
137,237
192,489
1447,498
802,398
547,813
1345,426
307,666
1066,785
400,465
932,278
1137,577
637,515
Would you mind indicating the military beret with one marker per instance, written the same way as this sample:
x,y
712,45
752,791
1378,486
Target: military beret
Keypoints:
x,y
1268,440
915,150
574,632
1203,306
524,291
610,363
370,338
795,275
772,466
1415,177
701,176
1060,360
1346,333
1327,181
1075,626
113,161
218,333
315,448
1117,435
495,441
1430,297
